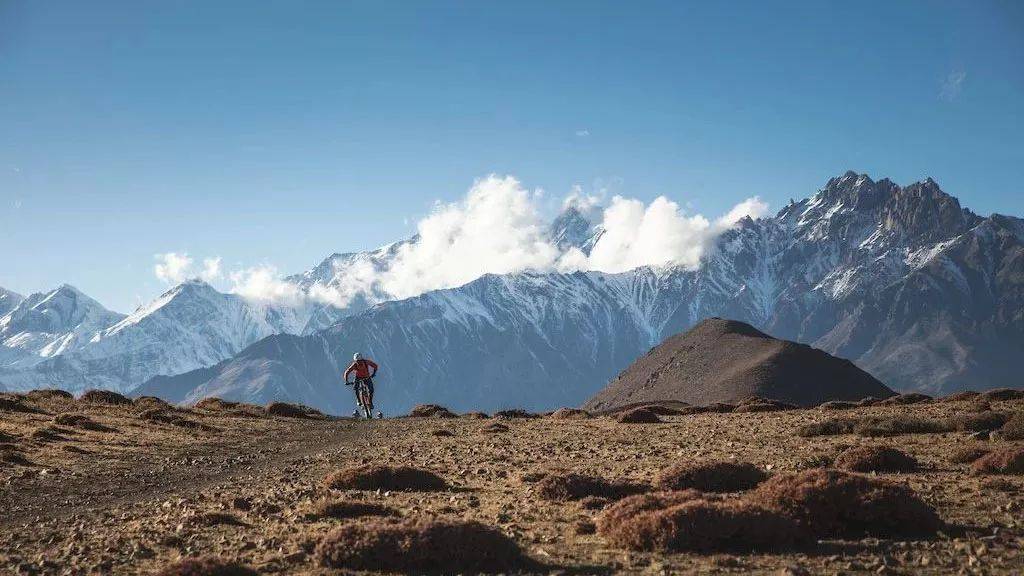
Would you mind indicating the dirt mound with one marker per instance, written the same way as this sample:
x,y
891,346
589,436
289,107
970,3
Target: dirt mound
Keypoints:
x,y
831,503
287,410
384,477
431,411
1014,427
570,414
1003,394
982,421
1004,461
104,397
968,454
514,413
214,404
12,403
81,421
149,402
206,566
726,361
49,394
837,405
494,428
572,486
710,476
413,546
348,509
686,521
875,459
638,416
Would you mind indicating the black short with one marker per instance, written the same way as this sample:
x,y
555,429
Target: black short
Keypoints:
x,y
369,384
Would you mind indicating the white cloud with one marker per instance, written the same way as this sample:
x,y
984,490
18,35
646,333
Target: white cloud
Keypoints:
x,y
264,284
952,86
752,207
172,267
211,269
583,133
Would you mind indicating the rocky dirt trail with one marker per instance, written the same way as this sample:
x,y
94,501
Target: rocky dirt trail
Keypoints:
x,y
136,494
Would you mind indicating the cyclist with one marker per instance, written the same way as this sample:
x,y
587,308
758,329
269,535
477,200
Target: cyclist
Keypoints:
x,y
364,369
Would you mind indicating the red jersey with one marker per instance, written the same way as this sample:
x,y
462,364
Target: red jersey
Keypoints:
x,y
361,368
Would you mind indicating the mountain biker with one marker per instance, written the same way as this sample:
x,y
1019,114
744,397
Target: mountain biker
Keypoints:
x,y
362,367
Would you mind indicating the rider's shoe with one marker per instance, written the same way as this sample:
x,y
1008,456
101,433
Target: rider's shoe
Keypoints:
x,y
380,414
355,413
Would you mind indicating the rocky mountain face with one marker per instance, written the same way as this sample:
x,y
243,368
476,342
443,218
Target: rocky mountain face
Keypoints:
x,y
918,291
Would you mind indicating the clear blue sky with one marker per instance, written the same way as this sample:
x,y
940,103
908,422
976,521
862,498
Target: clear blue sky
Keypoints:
x,y
282,131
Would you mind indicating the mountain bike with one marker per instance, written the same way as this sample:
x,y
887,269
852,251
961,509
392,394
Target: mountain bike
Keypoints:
x,y
362,391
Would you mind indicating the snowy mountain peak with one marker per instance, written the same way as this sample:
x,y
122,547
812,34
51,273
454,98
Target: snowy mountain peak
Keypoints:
x,y
9,301
576,226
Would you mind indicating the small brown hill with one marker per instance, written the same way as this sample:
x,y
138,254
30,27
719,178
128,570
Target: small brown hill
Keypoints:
x,y
726,361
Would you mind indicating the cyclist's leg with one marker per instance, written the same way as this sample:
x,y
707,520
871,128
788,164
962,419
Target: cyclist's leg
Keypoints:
x,y
369,393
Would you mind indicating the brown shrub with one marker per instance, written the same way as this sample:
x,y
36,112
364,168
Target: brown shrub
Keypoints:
x,y
11,403
834,503
961,396
514,413
346,509
286,410
828,427
420,546
723,476
206,566
214,404
5,437
968,454
10,455
494,428
49,434
593,502
442,432
384,477
769,406
570,414
476,415
49,394
169,416
216,519
1004,461
104,397
1014,427
906,399
81,421
684,521
573,486
148,402
837,405
875,459
868,401
638,416
720,407
1003,394
874,426
431,411
982,421
584,528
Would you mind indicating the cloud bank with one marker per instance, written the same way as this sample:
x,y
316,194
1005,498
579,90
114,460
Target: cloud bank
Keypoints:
x,y
497,228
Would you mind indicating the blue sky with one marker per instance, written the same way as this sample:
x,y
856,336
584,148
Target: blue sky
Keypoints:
x,y
278,132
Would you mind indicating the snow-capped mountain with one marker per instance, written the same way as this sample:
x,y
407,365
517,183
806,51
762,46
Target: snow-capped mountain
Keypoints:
x,y
190,326
48,324
922,293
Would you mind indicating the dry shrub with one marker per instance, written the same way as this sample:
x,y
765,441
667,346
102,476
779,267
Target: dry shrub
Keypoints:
x,y
13,456
906,399
720,407
875,459
961,396
214,404
769,406
968,454
384,477
104,397
442,432
216,519
874,426
720,476
999,484
514,413
999,394
169,416
979,406
594,502
287,410
570,414
81,421
828,427
684,521
573,486
638,416
1004,461
49,394
413,546
837,405
982,421
584,528
206,566
494,428
12,403
431,411
868,401
1014,427
831,503
476,415
345,509
5,437
49,434
149,402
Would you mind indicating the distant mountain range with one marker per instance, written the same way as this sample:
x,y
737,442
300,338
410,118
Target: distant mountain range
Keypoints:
x,y
920,292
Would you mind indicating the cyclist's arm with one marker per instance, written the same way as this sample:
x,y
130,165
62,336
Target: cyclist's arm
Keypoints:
x,y
373,365
349,370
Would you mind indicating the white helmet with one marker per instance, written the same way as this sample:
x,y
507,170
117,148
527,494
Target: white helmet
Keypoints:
x,y
356,357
